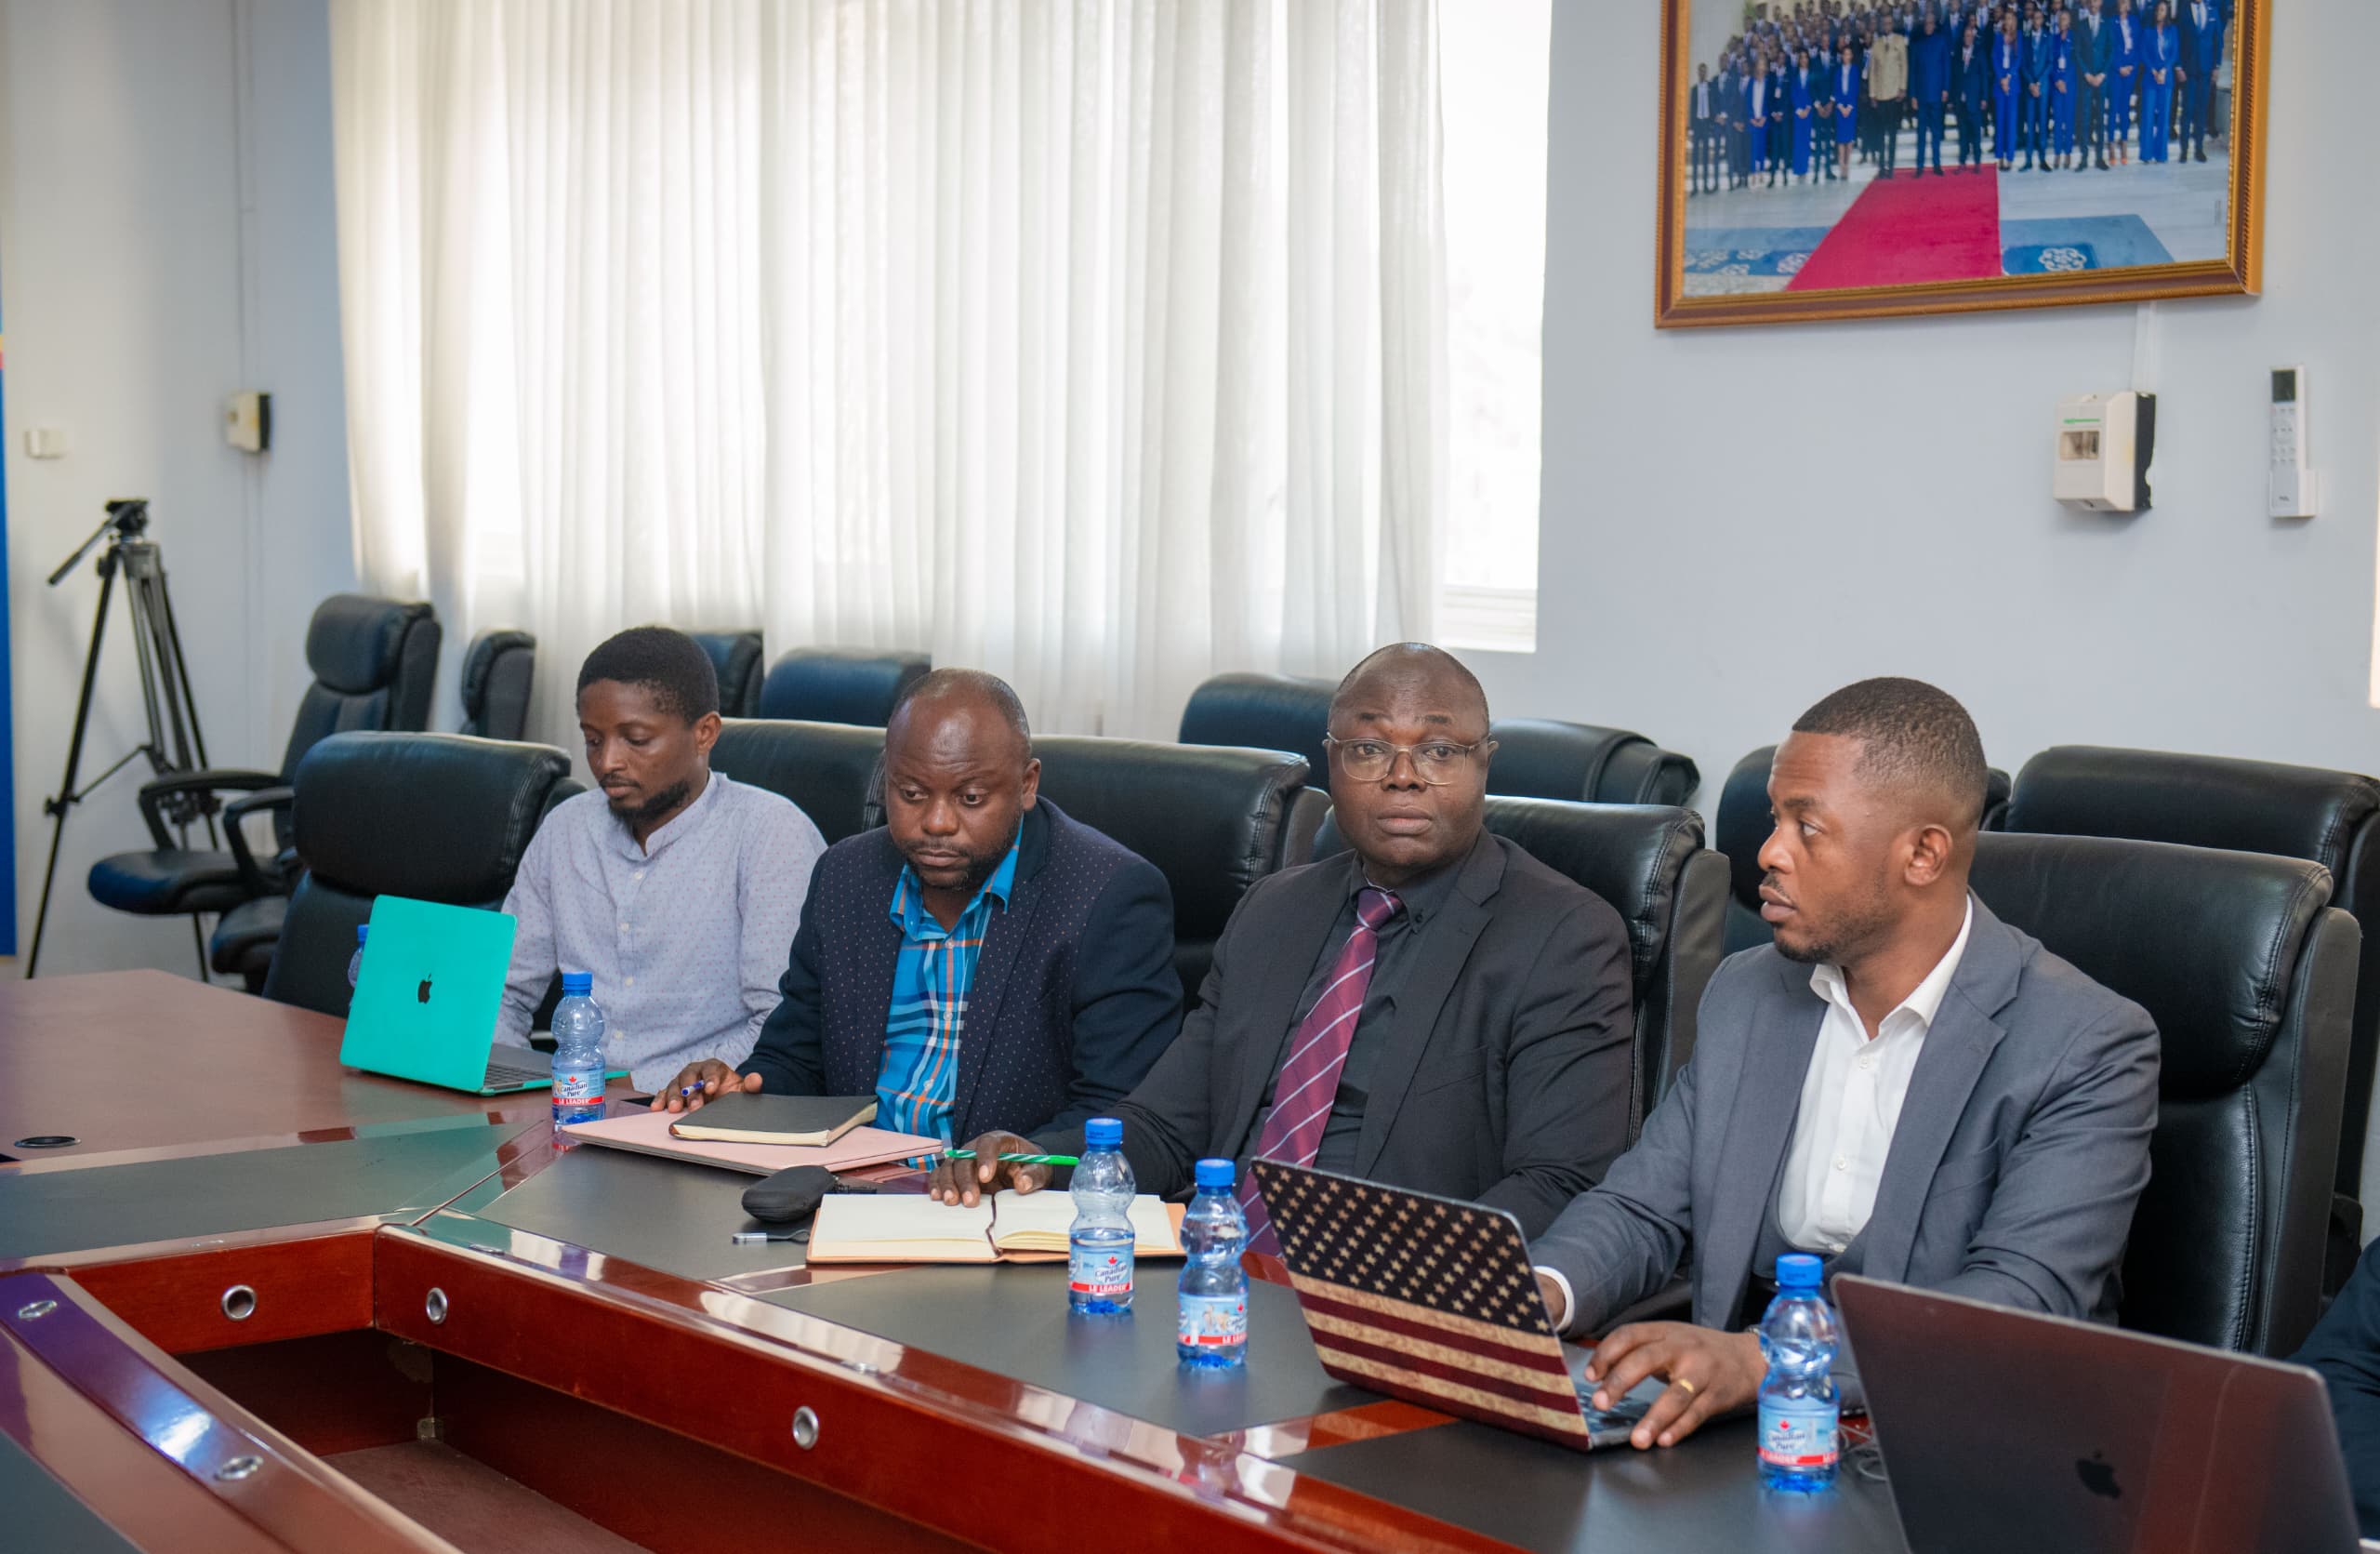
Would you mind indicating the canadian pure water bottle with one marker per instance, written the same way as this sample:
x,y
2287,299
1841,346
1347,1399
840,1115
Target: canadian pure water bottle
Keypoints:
x,y
578,1051
1798,1410
1099,1244
355,962
1212,1331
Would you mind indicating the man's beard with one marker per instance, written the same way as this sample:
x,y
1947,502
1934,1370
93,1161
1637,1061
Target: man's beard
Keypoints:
x,y
980,869
1856,928
653,808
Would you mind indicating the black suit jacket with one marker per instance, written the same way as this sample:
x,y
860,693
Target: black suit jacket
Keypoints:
x,y
2345,1346
1504,1077
1074,995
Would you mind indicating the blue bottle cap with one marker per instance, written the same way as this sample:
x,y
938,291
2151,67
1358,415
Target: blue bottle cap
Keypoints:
x,y
1104,1133
1799,1270
362,929
1217,1173
577,984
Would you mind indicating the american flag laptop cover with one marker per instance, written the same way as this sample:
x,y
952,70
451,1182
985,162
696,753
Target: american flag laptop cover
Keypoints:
x,y
1427,1299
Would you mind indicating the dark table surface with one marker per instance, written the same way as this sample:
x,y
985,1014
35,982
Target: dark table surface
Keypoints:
x,y
664,1214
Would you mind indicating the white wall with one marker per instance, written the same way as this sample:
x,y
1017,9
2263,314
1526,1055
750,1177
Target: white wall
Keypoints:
x,y
165,238
1738,521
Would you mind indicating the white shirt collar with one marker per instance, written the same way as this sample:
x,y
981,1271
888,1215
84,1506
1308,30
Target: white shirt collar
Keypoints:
x,y
1924,1001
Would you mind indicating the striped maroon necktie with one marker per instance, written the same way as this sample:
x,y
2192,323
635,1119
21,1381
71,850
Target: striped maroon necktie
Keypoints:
x,y
1309,1078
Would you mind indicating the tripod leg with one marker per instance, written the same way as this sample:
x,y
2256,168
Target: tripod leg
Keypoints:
x,y
65,800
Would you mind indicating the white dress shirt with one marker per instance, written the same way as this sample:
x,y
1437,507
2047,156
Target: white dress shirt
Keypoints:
x,y
1851,1100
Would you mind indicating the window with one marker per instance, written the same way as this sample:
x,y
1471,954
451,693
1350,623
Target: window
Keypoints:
x,y
1492,83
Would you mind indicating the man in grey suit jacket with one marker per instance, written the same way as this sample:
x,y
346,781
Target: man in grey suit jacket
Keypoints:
x,y
1902,1084
1476,1043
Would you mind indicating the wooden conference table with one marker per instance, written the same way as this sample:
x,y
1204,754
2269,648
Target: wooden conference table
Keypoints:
x,y
266,1303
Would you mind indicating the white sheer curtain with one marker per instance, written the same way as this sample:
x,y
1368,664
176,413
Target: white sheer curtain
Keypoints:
x,y
1099,343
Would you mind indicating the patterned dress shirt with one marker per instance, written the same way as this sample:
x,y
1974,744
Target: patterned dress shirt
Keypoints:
x,y
917,1089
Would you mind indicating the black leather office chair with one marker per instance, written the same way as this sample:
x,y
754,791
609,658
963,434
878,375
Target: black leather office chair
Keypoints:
x,y
1648,862
496,673
1213,819
1263,711
840,685
2328,817
736,657
2249,973
433,817
830,770
1743,826
374,661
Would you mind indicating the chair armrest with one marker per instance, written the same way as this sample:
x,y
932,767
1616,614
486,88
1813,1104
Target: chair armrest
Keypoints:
x,y
252,874
192,795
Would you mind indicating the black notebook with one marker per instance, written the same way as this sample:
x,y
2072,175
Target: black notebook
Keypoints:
x,y
814,1121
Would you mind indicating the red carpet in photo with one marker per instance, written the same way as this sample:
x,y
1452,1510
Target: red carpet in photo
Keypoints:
x,y
1909,231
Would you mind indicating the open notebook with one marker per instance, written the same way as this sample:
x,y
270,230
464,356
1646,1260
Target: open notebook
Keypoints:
x,y
910,1227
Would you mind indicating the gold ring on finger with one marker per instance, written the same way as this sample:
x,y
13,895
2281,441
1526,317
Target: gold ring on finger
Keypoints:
x,y
1685,1385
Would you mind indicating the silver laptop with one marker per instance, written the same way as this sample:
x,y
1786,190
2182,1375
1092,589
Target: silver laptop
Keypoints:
x,y
2004,1430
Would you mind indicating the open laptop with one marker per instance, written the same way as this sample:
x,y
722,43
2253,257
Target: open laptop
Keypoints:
x,y
1433,1300
2004,1430
425,1003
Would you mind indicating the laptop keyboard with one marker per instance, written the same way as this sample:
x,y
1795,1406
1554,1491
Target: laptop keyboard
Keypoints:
x,y
505,1076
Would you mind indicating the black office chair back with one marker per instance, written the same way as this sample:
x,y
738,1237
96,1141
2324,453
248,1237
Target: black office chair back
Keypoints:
x,y
373,662
1543,758
1742,827
2250,975
830,770
840,685
1213,819
2255,806
736,655
1648,862
497,674
1263,711
434,816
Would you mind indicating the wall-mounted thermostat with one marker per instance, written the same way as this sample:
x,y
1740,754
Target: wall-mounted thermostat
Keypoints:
x,y
247,422
2289,486
2105,444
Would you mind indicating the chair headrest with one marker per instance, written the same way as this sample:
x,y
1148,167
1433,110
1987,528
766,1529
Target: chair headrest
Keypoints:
x,y
840,684
354,642
1743,823
2203,800
1263,711
1545,758
2207,941
1208,816
437,817
829,770
480,661
1630,854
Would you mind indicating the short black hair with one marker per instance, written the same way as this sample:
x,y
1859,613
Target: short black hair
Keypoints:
x,y
1909,733
1404,655
664,661
939,683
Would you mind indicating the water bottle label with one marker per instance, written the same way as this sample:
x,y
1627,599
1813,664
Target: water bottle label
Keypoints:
x,y
1100,1274
1215,1323
1800,1439
583,1084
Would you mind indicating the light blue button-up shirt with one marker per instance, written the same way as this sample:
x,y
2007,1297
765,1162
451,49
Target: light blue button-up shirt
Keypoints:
x,y
685,936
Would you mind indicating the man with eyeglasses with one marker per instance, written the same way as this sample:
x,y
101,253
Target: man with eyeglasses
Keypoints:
x,y
1432,1008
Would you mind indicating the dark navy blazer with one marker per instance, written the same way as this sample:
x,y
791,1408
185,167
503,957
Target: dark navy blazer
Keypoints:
x,y
2345,1346
1074,997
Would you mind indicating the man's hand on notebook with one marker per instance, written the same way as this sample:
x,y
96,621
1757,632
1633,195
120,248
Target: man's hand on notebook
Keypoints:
x,y
968,1182
706,1080
1709,1373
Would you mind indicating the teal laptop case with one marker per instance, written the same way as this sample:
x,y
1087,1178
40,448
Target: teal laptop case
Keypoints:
x,y
432,982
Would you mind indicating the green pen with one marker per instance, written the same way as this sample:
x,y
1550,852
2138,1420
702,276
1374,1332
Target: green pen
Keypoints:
x,y
1018,1159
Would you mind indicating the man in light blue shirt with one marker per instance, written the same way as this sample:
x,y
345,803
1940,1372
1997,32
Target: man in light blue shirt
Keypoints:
x,y
677,888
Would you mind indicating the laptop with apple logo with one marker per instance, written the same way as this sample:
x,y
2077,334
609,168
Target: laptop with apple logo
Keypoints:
x,y
2003,1429
427,996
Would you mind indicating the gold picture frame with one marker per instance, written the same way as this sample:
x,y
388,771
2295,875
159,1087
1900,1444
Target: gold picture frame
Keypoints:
x,y
1757,260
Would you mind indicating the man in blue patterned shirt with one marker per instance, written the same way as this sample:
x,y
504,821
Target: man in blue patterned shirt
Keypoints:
x,y
981,961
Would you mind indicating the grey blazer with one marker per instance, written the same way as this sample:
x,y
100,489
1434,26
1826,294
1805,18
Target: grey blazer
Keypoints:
x,y
2022,1145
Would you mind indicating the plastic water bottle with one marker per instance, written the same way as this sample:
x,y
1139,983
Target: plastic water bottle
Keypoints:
x,y
1800,1414
1099,1244
1212,1330
578,1051
355,962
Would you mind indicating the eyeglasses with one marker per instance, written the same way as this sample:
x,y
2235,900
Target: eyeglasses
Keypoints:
x,y
1436,762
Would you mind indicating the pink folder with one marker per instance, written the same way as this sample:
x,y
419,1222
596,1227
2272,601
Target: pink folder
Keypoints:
x,y
647,1133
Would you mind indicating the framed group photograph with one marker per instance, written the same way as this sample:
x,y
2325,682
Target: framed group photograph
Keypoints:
x,y
1828,159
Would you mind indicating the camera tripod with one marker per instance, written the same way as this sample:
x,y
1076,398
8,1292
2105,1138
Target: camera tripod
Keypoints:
x,y
174,744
